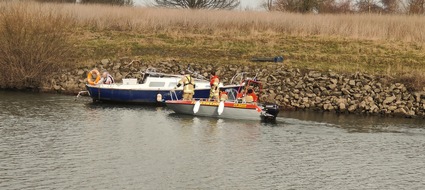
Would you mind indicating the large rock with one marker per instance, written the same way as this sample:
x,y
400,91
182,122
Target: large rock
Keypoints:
x,y
105,62
352,108
332,86
367,88
345,91
328,107
342,106
392,108
390,99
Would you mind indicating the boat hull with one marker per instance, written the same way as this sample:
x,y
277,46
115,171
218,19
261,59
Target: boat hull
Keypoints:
x,y
131,95
210,109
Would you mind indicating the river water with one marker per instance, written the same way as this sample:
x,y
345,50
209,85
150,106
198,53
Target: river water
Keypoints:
x,y
54,142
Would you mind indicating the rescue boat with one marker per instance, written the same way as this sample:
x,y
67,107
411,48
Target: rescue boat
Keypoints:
x,y
224,109
237,105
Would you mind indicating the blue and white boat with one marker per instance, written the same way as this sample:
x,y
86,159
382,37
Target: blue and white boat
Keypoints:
x,y
154,87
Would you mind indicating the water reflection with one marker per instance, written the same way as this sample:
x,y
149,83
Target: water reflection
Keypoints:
x,y
213,127
360,123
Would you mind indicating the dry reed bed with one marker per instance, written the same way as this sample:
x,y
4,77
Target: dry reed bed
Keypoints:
x,y
407,28
358,26
366,26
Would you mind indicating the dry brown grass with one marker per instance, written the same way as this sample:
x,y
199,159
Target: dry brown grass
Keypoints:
x,y
356,26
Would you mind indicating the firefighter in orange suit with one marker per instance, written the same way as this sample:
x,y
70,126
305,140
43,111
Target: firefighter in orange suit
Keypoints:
x,y
214,92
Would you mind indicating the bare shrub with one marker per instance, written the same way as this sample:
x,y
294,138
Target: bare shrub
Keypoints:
x,y
414,80
33,44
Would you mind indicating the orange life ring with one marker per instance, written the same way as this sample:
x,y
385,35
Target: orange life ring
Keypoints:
x,y
90,76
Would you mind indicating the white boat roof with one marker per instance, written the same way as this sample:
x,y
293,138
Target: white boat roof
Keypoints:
x,y
156,82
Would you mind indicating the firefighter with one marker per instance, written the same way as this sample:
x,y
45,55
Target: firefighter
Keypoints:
x,y
253,96
188,86
214,91
223,95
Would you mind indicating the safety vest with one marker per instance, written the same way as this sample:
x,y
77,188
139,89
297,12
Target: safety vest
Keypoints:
x,y
214,84
254,97
188,84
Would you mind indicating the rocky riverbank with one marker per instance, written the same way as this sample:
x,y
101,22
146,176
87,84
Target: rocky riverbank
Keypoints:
x,y
288,87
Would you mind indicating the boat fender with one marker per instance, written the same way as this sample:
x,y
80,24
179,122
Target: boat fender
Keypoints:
x,y
220,108
90,77
258,109
196,106
159,97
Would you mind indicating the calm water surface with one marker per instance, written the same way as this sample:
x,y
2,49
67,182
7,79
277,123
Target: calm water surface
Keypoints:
x,y
54,142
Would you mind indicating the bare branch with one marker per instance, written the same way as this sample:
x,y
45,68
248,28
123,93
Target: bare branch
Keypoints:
x,y
198,4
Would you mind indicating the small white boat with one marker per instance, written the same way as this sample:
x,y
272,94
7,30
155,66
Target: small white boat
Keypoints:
x,y
246,111
232,108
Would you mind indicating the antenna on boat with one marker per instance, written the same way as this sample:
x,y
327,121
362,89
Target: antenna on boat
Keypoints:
x,y
236,76
194,73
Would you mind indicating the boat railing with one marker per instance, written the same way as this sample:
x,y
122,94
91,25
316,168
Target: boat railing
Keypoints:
x,y
173,95
195,73
152,71
239,78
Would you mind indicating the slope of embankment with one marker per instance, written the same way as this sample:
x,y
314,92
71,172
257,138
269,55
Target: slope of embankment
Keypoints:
x,y
348,63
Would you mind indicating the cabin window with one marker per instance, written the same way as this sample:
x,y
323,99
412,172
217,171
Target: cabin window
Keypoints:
x,y
156,84
172,84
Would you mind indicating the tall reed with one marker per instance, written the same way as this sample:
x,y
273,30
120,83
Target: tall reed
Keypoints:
x,y
408,28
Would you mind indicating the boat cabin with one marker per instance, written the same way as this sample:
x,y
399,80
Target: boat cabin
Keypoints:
x,y
247,93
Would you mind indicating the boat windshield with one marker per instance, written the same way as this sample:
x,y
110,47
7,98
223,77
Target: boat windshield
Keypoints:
x,y
231,94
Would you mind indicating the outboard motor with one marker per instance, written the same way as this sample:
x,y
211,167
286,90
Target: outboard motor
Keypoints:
x,y
270,111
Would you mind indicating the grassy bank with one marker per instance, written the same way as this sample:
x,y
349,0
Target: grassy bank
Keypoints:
x,y
377,44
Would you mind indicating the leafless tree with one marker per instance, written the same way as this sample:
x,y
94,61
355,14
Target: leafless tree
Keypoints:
x,y
198,4
317,6
288,5
369,6
390,6
332,6
268,5
416,6
56,1
111,2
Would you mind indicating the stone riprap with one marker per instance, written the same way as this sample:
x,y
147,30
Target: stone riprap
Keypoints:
x,y
290,88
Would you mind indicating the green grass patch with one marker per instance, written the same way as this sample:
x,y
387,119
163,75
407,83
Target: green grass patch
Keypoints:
x,y
309,52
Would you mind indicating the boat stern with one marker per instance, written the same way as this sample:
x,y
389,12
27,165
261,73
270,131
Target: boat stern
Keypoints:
x,y
270,111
